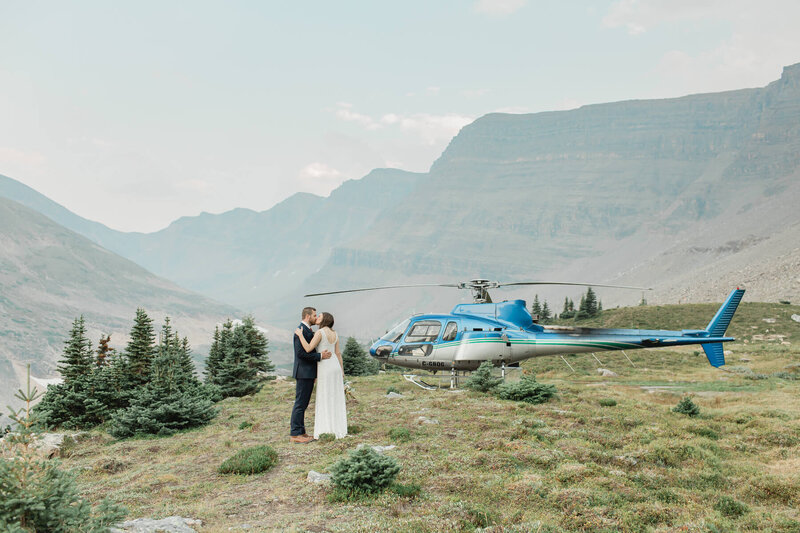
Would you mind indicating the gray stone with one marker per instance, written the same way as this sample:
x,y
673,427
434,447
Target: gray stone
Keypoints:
x,y
796,318
171,524
769,320
606,373
316,477
379,449
426,420
394,395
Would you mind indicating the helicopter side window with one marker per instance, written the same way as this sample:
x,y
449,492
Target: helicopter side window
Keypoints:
x,y
450,331
424,331
417,350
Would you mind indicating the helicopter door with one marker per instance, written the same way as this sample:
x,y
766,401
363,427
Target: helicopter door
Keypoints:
x,y
419,339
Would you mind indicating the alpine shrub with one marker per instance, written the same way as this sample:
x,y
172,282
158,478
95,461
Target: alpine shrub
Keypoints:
x,y
251,460
687,407
608,402
364,471
482,380
399,435
527,389
730,507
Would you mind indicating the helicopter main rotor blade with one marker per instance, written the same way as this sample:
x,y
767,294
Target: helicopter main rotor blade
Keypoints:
x,y
381,288
578,284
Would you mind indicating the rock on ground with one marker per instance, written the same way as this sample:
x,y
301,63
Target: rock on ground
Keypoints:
x,y
316,477
171,524
379,449
606,373
394,395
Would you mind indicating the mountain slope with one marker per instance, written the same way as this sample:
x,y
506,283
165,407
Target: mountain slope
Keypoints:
x,y
50,275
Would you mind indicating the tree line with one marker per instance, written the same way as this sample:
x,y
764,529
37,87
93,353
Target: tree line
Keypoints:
x,y
589,306
151,387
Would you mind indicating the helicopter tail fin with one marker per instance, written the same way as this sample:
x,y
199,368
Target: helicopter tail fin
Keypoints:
x,y
718,325
715,354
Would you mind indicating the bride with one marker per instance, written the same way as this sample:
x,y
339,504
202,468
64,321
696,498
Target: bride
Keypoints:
x,y
330,411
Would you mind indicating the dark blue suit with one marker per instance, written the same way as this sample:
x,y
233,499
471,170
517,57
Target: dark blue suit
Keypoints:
x,y
305,372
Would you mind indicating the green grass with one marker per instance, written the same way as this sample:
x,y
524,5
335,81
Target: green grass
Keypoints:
x,y
567,465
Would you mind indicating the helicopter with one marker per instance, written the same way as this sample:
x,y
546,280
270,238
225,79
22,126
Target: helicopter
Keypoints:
x,y
504,333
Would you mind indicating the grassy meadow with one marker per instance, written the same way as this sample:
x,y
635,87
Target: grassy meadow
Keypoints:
x,y
607,454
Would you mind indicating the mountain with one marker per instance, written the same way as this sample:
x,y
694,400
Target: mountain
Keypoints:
x,y
689,195
49,275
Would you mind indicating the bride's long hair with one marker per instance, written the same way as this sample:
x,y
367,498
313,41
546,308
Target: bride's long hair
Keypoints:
x,y
327,320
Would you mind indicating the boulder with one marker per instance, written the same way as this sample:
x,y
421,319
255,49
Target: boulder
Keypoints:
x,y
379,449
796,318
394,395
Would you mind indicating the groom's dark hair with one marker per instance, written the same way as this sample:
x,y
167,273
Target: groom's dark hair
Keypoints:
x,y
307,312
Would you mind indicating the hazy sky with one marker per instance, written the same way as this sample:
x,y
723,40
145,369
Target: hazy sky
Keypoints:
x,y
135,113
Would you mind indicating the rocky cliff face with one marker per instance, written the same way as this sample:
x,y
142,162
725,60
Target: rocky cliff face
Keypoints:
x,y
603,193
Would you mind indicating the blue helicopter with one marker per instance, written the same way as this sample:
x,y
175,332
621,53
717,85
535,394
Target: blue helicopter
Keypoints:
x,y
504,333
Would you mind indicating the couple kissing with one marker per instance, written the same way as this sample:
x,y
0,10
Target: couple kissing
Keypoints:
x,y
317,358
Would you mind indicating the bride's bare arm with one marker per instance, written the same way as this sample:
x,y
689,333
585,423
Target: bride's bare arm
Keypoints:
x,y
339,355
308,346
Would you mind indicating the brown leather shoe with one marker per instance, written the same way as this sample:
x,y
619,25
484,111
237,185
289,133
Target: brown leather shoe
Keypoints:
x,y
300,439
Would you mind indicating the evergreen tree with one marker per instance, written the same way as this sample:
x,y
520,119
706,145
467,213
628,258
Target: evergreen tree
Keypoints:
x,y
104,351
545,312
215,355
72,403
257,347
566,306
141,348
78,358
536,308
356,361
238,359
169,402
35,495
185,358
590,302
599,306
569,309
482,380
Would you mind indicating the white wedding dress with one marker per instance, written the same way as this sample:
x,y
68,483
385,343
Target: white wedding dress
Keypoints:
x,y
330,411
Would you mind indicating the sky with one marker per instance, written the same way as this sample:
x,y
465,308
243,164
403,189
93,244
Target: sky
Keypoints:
x,y
134,114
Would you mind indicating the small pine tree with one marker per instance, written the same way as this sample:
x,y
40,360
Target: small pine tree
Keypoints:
x,y
171,401
482,380
355,360
545,312
527,389
642,302
566,306
104,351
364,471
78,358
215,356
590,302
35,495
141,348
257,348
687,407
536,308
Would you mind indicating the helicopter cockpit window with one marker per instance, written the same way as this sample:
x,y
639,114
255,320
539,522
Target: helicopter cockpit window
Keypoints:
x,y
417,350
424,331
396,333
450,331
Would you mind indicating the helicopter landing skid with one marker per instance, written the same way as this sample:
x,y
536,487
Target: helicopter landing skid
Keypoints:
x,y
416,380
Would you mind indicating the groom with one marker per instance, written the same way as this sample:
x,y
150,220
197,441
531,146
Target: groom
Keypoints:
x,y
305,372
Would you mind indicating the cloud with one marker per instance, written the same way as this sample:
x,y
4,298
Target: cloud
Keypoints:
x,y
12,159
430,128
762,37
498,7
346,113
320,178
